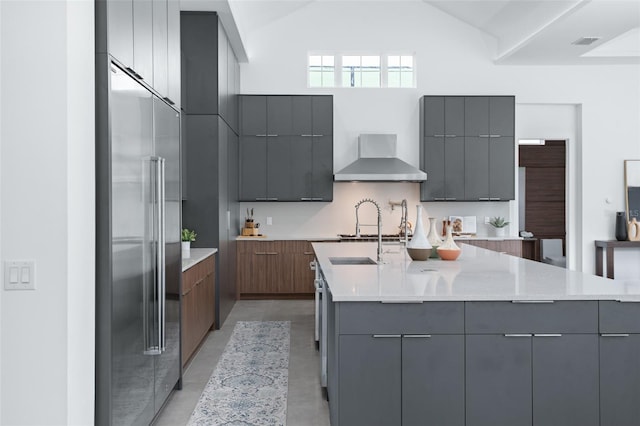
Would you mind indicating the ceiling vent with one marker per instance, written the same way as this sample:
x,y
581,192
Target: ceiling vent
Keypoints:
x,y
586,41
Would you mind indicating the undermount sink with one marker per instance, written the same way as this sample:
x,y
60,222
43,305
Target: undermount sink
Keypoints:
x,y
352,261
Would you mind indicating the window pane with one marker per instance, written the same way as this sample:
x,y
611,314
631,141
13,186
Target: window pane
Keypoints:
x,y
328,60
328,79
371,61
407,61
349,61
315,79
371,79
346,78
393,61
315,60
407,79
394,79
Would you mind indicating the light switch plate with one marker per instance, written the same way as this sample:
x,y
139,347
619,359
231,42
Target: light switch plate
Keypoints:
x,y
19,275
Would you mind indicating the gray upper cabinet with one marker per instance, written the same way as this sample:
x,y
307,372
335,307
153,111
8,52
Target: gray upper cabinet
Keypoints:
x,y
476,116
297,130
223,74
143,39
160,46
279,116
119,15
173,52
467,148
253,168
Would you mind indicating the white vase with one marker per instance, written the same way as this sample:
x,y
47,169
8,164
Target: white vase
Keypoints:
x,y
500,232
434,237
186,249
419,247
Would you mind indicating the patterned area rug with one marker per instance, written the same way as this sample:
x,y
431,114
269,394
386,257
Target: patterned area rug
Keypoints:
x,y
249,384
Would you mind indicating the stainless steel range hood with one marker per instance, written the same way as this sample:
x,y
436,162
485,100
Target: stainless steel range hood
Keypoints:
x,y
378,162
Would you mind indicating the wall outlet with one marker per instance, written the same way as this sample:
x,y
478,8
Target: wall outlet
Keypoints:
x,y
19,275
487,219
269,220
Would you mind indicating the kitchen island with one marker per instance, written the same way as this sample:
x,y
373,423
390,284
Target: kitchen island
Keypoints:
x,y
487,340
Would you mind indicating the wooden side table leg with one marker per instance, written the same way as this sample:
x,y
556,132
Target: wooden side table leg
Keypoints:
x,y
610,262
599,254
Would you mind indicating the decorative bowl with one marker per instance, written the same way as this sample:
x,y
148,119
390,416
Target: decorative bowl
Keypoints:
x,y
419,253
448,254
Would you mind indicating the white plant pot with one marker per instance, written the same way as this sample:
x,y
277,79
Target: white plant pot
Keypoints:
x,y
500,232
186,249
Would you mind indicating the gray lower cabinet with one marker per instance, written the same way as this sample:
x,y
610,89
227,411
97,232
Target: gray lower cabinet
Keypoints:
x,y
370,380
433,380
619,379
498,380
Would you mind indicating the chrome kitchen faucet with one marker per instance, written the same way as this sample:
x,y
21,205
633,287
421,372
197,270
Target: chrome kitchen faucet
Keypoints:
x,y
358,224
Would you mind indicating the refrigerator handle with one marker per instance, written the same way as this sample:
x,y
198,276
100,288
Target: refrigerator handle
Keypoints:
x,y
162,245
154,340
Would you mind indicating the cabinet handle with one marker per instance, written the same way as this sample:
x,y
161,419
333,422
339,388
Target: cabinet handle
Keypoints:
x,y
386,336
439,199
317,136
518,335
483,198
308,252
532,301
261,136
169,101
272,253
261,199
259,253
317,199
272,136
135,74
272,199
548,335
438,136
494,199
400,301
450,136
484,136
614,335
305,199
417,336
306,136
495,136
450,198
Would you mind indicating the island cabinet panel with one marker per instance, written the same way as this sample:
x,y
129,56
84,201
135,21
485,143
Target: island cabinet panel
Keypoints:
x,y
619,363
370,380
565,368
498,380
512,247
433,380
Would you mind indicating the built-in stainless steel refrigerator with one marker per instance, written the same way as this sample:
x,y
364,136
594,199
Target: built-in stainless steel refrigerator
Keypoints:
x,y
138,249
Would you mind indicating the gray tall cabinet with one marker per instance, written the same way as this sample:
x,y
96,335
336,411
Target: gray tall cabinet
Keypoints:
x,y
210,79
286,148
467,148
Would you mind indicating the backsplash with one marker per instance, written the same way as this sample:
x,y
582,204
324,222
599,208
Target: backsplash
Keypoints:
x,y
311,219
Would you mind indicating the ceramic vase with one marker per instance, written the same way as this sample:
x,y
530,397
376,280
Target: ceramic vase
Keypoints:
x,y
499,232
633,232
186,249
449,250
419,248
434,238
621,226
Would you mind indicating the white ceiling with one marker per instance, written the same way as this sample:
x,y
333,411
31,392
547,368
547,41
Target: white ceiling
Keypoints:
x,y
531,32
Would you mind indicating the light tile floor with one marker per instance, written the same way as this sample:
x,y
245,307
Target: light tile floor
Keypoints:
x,y
305,403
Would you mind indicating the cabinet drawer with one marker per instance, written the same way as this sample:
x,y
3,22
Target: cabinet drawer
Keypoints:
x,y
619,317
401,318
509,317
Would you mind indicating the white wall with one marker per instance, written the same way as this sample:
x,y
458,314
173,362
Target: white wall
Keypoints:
x,y
452,58
47,210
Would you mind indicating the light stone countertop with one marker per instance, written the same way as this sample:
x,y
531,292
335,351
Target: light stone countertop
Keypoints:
x,y
197,255
337,238
478,274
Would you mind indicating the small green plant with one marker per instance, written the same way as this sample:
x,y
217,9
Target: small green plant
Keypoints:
x,y
498,222
188,235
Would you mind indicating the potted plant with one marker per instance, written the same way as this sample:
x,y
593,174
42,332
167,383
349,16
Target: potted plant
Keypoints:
x,y
499,223
187,236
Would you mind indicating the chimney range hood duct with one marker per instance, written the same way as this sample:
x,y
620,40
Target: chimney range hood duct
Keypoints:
x,y
378,162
